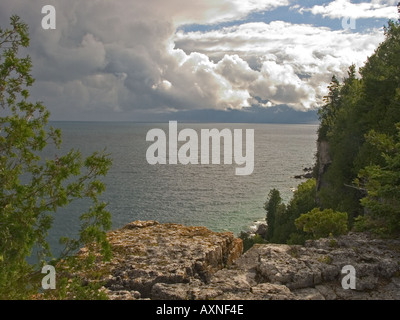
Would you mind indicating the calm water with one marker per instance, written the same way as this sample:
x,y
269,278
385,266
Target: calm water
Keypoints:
x,y
207,195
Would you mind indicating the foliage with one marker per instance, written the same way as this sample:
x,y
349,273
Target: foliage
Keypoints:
x,y
70,283
284,229
382,184
365,101
297,238
327,113
362,173
33,188
322,223
272,206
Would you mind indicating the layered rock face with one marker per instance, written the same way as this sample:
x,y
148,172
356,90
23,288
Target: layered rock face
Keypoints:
x,y
324,161
170,261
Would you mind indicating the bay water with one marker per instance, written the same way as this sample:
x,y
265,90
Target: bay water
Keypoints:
x,y
197,195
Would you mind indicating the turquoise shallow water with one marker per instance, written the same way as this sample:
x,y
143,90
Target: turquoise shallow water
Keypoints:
x,y
207,195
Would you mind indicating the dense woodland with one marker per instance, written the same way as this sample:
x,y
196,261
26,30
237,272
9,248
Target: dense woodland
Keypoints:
x,y
358,187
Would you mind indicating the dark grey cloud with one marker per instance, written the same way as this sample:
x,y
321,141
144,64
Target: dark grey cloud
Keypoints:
x,y
122,59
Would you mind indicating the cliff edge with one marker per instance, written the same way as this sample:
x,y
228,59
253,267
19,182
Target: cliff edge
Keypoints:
x,y
172,261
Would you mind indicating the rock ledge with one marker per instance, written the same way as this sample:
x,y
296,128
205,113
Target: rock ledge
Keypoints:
x,y
172,261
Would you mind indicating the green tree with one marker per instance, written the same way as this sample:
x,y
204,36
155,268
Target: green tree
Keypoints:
x,y
327,113
33,188
303,200
271,207
382,185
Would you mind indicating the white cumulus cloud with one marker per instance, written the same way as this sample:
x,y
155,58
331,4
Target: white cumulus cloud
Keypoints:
x,y
345,8
125,56
291,63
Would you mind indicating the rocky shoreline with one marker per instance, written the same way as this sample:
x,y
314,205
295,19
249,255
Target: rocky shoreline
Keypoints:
x,y
176,262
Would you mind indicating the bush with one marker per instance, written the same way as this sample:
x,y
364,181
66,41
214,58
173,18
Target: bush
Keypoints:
x,y
297,238
323,223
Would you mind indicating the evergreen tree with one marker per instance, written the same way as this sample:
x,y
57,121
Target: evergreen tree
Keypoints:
x,y
272,207
33,188
327,112
382,185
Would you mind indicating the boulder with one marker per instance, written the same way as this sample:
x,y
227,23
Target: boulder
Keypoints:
x,y
262,230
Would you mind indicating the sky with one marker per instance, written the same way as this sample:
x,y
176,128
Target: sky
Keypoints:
x,y
157,60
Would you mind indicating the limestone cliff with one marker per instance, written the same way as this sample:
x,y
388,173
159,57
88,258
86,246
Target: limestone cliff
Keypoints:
x,y
171,261
323,162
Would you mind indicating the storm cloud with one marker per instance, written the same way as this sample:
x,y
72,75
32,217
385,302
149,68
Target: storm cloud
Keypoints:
x,y
118,59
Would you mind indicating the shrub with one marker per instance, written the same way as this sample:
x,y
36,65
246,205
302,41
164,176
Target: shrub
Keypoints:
x,y
323,223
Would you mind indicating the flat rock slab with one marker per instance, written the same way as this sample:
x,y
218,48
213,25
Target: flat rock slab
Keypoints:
x,y
146,253
176,262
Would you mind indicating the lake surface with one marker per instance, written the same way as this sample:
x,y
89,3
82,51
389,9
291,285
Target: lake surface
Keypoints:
x,y
207,195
